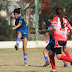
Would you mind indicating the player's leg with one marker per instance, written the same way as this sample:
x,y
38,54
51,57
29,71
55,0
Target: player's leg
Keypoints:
x,y
45,52
57,47
52,60
60,56
19,35
24,39
51,56
66,52
65,63
64,49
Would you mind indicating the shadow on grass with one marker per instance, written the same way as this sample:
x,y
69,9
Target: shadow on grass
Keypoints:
x,y
34,66
4,65
26,71
30,65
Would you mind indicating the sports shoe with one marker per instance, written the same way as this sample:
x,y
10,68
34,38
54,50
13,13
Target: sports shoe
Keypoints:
x,y
71,63
25,63
46,64
65,65
16,47
54,71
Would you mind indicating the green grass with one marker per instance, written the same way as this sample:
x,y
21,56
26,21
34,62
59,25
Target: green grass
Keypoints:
x,y
12,61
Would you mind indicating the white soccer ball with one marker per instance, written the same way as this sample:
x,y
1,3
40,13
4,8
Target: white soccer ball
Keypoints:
x,y
3,13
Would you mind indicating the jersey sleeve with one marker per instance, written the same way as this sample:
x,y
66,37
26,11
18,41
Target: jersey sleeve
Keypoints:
x,y
55,21
20,22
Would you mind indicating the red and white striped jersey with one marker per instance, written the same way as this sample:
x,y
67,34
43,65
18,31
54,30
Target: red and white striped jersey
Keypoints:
x,y
58,34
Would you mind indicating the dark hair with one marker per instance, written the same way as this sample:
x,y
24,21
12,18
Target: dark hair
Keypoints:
x,y
17,10
51,16
59,12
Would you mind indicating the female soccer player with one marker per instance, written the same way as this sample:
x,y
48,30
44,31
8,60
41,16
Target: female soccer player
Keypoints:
x,y
21,32
45,52
59,37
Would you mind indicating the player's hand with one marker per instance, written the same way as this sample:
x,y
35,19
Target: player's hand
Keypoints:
x,y
13,16
13,28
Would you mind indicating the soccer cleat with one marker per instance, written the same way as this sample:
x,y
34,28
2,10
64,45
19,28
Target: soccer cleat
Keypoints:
x,y
25,63
71,63
46,64
65,65
16,47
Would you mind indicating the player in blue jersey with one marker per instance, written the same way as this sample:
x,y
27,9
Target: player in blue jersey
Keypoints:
x,y
49,45
21,32
47,48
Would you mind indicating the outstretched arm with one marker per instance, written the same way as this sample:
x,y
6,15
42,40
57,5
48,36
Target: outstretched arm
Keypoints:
x,y
13,28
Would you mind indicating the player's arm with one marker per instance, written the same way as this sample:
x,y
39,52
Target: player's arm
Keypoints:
x,y
16,26
19,24
53,29
68,25
54,24
47,36
70,28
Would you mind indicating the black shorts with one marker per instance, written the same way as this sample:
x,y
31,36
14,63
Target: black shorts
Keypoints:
x,y
50,45
56,50
59,43
58,46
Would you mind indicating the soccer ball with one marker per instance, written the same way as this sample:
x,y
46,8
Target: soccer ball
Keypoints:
x,y
3,13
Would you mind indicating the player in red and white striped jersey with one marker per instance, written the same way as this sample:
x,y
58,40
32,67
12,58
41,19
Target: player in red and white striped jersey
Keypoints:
x,y
59,37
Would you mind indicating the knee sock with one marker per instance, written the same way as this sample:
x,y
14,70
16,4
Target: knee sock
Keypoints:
x,y
67,53
64,61
52,61
46,57
18,41
25,57
66,58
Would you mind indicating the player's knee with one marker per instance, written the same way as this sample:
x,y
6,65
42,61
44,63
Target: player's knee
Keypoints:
x,y
19,34
45,51
50,52
58,56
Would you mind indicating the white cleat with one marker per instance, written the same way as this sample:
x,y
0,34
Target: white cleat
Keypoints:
x,y
54,71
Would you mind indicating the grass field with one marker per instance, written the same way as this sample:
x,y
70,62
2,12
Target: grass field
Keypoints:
x,y
12,61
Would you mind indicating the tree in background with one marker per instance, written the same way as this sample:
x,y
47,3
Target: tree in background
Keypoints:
x,y
6,33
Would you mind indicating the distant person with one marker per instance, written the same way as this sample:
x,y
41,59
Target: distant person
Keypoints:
x,y
21,32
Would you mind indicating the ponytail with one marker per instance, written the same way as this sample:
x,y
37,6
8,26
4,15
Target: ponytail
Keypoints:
x,y
17,10
59,12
